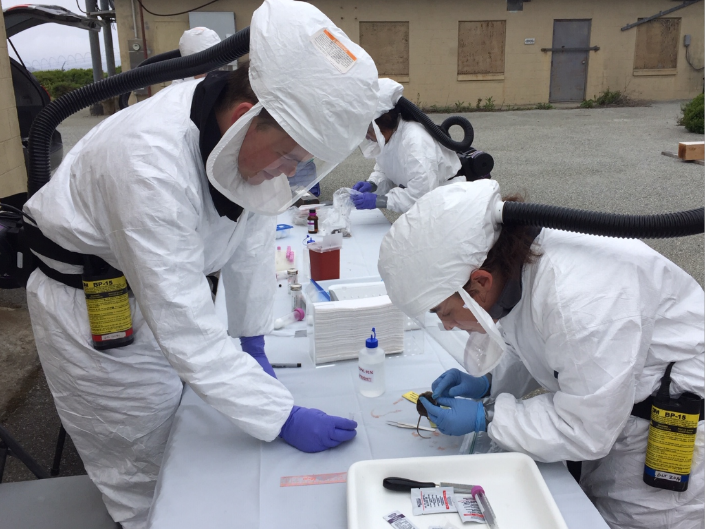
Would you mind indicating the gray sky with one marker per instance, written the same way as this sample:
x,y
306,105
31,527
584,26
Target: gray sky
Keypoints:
x,y
50,46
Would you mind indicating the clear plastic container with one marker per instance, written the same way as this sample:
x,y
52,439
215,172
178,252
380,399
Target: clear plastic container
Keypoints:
x,y
292,275
305,265
283,230
297,297
370,366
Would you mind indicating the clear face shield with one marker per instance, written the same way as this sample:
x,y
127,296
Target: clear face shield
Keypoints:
x,y
373,143
254,160
466,331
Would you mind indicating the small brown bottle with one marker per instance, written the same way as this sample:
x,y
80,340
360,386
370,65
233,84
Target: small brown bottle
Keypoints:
x,y
312,221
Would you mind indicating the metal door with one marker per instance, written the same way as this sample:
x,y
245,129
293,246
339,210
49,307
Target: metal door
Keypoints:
x,y
569,68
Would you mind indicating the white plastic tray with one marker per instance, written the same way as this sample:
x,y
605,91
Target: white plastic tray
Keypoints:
x,y
346,291
512,481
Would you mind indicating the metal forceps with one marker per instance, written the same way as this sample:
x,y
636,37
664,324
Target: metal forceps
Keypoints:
x,y
410,426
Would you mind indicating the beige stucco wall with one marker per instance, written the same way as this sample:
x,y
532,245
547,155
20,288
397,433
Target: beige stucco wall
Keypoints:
x,y
13,176
433,43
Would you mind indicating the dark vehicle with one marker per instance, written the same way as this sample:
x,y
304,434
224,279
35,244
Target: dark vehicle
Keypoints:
x,y
30,96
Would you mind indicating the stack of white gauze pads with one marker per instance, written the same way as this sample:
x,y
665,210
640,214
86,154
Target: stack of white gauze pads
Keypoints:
x,y
340,328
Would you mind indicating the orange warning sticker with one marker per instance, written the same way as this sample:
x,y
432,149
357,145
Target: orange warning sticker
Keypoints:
x,y
333,50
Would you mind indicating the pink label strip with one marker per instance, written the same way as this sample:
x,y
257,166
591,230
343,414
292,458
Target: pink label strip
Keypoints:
x,y
313,479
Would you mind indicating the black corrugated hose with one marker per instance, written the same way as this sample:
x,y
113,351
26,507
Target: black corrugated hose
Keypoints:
x,y
173,54
627,226
679,224
58,110
411,112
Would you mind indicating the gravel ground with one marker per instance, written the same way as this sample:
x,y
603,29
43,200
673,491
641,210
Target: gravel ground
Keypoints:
x,y
26,406
594,159
599,159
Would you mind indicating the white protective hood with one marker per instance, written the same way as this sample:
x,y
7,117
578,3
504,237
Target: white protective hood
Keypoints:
x,y
429,254
318,85
197,39
387,98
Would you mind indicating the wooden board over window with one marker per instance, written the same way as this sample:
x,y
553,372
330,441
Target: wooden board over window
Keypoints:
x,y
481,47
388,44
657,44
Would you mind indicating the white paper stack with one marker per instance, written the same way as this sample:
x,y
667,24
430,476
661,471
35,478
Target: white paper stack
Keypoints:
x,y
340,328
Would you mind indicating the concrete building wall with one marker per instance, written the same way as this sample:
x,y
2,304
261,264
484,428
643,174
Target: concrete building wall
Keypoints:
x,y
433,44
13,175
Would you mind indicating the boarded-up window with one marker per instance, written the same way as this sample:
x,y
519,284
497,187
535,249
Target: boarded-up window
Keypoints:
x,y
657,44
481,47
388,44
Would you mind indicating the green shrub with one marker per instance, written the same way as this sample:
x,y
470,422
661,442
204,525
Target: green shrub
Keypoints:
x,y
489,104
62,88
544,106
692,118
608,98
60,82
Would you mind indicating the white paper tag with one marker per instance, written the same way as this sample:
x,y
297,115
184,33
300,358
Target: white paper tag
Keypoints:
x,y
333,50
468,510
398,521
429,501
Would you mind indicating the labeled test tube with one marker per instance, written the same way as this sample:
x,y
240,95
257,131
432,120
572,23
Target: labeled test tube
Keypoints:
x,y
292,317
297,297
292,277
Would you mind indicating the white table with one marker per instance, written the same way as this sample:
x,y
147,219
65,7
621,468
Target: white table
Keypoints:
x,y
215,475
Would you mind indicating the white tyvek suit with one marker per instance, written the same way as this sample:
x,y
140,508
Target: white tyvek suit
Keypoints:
x,y
607,316
598,322
413,159
134,192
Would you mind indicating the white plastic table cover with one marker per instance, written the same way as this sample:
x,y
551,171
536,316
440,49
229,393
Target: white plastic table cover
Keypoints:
x,y
215,475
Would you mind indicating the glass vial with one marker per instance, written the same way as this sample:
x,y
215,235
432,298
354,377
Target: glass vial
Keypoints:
x,y
312,221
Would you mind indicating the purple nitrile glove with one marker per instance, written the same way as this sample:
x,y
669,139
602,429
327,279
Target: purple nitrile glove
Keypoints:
x,y
455,383
311,430
254,346
365,201
462,416
363,187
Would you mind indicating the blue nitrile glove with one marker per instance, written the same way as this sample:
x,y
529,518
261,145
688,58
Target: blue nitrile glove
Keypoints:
x,y
254,346
316,190
463,416
365,201
455,383
311,430
363,187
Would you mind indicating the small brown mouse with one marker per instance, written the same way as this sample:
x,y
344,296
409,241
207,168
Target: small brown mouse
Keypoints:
x,y
428,395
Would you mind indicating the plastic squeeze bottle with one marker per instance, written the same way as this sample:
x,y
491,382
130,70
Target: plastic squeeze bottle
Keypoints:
x,y
371,368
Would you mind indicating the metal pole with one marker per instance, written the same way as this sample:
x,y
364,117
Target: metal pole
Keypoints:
x,y
94,39
108,40
144,45
58,452
660,14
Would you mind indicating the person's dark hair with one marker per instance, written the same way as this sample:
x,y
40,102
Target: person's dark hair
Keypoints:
x,y
388,121
238,90
512,249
